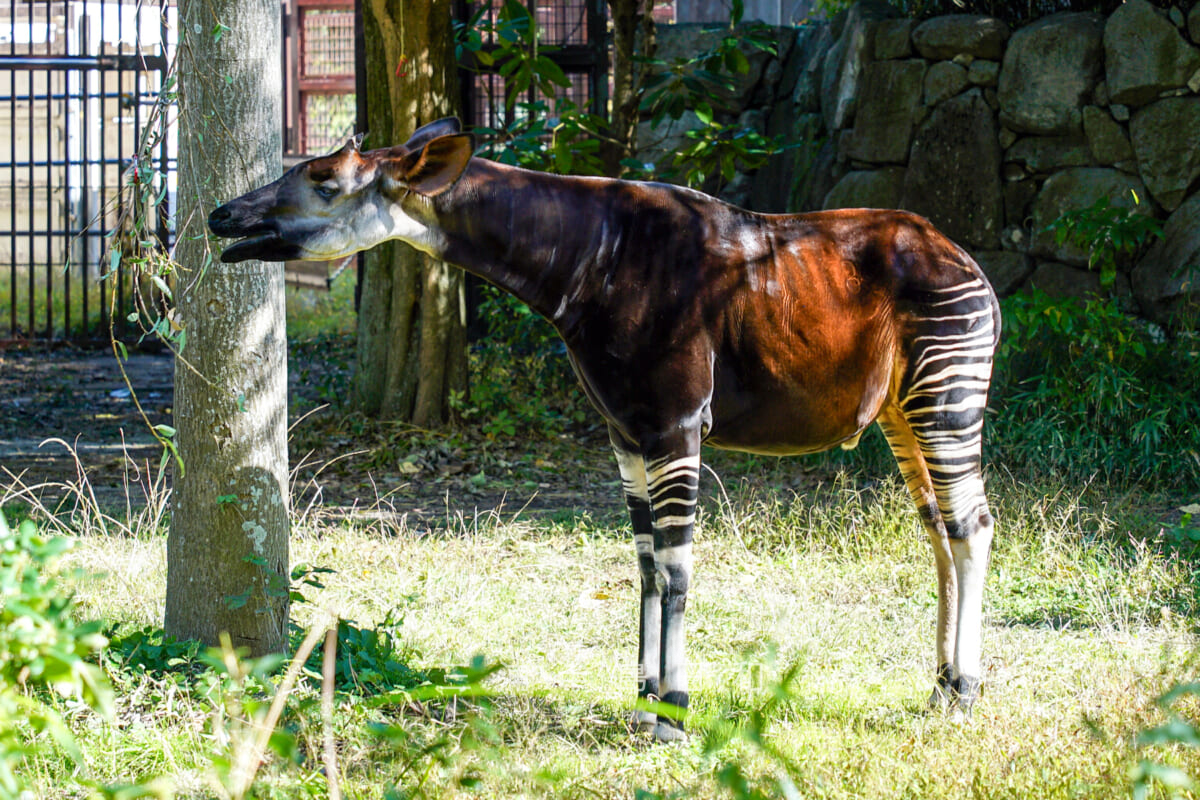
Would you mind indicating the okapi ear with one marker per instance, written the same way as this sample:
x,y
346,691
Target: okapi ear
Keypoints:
x,y
436,167
447,126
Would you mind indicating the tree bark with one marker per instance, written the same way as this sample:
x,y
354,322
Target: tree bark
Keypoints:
x,y
628,16
412,321
227,551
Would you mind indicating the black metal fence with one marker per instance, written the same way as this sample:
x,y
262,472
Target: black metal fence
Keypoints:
x,y
78,79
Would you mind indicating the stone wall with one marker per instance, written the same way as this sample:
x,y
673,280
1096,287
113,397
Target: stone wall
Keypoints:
x,y
989,132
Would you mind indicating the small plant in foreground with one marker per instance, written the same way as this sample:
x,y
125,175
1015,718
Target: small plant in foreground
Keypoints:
x,y
42,652
425,762
1177,730
729,738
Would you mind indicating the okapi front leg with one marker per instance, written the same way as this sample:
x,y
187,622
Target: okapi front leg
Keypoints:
x,y
637,498
673,482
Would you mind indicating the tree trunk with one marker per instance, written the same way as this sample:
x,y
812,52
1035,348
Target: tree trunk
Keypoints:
x,y
227,551
412,321
628,75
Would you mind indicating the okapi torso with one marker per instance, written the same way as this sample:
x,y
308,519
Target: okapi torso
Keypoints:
x,y
691,321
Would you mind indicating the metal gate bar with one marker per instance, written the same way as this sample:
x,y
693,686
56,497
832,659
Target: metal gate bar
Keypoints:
x,y
83,73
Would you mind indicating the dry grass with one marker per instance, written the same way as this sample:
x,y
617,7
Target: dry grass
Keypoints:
x,y
1089,619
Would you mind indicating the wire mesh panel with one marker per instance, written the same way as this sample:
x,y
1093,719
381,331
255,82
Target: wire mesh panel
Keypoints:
x,y
573,35
327,120
563,23
324,75
326,42
78,80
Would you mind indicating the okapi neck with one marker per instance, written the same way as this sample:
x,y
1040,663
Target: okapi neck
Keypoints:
x,y
539,237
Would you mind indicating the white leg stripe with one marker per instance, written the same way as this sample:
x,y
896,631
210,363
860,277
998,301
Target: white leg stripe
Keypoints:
x,y
679,555
633,474
970,562
674,522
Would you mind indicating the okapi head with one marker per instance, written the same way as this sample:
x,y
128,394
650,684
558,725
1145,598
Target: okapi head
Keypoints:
x,y
347,201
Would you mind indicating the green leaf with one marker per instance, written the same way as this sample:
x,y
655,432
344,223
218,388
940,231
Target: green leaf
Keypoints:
x,y
551,71
162,286
736,62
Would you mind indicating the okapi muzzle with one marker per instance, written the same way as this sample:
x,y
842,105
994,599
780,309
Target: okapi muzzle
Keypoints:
x,y
262,235
690,321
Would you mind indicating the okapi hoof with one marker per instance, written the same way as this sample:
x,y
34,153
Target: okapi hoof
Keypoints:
x,y
643,722
939,699
966,691
669,731
943,691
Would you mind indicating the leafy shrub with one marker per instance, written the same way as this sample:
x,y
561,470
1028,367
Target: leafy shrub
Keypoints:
x,y
1113,236
369,660
42,652
719,147
521,376
552,134
1082,389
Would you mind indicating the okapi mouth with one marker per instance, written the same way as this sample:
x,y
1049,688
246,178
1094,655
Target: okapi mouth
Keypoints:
x,y
264,247
259,241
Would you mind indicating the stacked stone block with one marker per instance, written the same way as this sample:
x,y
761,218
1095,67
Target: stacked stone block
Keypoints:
x,y
993,133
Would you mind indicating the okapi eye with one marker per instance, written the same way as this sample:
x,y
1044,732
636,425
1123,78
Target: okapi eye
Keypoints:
x,y
326,190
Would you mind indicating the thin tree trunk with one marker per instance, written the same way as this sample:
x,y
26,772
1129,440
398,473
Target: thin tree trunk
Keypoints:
x,y
411,325
227,551
628,17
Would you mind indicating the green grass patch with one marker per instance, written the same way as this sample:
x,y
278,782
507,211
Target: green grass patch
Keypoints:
x,y
810,628
314,314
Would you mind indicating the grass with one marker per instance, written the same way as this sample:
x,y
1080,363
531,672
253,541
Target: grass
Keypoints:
x,y
48,304
1091,614
810,632
312,314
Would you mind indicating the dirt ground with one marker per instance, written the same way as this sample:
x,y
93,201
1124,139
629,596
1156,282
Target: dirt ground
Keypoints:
x,y
65,410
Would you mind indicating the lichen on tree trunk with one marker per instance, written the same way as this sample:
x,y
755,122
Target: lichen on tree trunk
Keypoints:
x,y
412,322
227,551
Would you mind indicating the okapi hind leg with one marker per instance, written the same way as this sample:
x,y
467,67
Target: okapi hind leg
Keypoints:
x,y
942,397
913,469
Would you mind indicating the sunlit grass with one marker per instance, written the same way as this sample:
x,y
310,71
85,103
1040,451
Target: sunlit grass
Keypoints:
x,y
1090,615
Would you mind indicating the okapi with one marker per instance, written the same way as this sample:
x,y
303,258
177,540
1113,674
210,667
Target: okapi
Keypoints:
x,y
690,321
